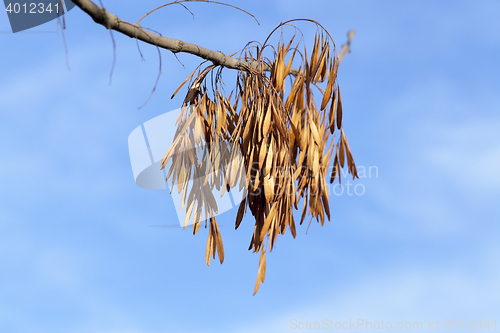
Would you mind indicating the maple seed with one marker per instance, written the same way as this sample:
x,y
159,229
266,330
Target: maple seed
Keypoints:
x,y
284,139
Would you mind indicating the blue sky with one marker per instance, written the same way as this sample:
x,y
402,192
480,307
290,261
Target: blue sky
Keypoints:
x,y
421,99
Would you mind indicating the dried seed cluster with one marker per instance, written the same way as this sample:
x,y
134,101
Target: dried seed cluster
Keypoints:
x,y
276,145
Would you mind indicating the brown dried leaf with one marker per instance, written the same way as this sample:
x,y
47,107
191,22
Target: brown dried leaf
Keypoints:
x,y
339,110
341,152
182,84
269,187
261,274
314,131
208,251
241,210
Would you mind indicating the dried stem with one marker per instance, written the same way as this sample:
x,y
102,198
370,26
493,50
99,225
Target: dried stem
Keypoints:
x,y
346,48
209,1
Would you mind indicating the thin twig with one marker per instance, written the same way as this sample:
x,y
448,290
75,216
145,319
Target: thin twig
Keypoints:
x,y
114,56
114,46
157,78
63,17
187,10
139,49
346,48
176,57
208,1
63,26
111,21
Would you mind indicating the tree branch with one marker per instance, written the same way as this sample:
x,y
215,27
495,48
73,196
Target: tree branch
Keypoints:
x,y
346,48
110,21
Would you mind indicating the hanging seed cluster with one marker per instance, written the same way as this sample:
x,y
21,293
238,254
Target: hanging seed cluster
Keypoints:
x,y
276,143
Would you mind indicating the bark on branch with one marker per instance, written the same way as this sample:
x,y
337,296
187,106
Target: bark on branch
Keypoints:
x,y
110,21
